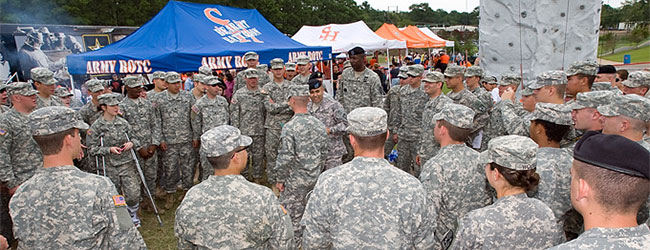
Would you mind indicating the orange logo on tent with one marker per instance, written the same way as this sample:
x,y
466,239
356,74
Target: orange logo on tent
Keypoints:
x,y
328,34
231,30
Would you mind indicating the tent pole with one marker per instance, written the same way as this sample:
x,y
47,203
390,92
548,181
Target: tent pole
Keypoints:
x,y
332,75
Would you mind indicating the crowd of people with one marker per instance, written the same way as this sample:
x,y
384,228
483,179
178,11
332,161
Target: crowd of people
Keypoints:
x,y
283,164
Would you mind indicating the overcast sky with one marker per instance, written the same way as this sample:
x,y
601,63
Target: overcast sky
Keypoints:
x,y
447,5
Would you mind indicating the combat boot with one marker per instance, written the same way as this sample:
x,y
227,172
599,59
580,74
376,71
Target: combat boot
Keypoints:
x,y
169,201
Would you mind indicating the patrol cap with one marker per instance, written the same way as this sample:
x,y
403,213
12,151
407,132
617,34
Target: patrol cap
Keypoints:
x,y
21,88
277,63
250,73
602,86
415,70
456,114
403,72
302,60
262,67
211,80
172,77
3,86
510,79
356,51
367,121
637,79
474,71
632,106
62,92
613,152
132,82
511,151
454,70
54,119
434,76
251,56
221,140
548,78
109,99
205,70
298,90
159,75
314,84
490,79
290,66
94,85
42,75
592,99
589,68
526,91
607,69
551,112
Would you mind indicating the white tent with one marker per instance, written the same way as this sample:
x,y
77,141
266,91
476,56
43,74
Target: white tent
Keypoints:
x,y
430,33
343,37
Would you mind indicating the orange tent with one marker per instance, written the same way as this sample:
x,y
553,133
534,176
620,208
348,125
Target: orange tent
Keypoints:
x,y
390,32
415,32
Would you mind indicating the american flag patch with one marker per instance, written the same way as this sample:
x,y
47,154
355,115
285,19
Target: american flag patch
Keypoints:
x,y
118,200
195,109
2,132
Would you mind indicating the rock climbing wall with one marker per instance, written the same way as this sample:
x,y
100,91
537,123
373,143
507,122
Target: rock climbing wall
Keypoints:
x,y
535,36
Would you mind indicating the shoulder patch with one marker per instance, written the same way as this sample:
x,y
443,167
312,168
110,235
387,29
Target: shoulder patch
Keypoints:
x,y
283,210
118,200
195,109
88,132
2,131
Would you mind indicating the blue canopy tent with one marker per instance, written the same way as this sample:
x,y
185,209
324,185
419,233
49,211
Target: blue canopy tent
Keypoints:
x,y
184,36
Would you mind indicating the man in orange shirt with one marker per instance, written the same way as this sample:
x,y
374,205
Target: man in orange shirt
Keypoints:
x,y
444,60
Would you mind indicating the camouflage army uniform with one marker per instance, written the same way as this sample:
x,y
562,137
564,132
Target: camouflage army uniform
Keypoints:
x,y
512,222
278,113
50,101
332,115
429,147
363,91
174,112
243,215
240,81
89,113
206,114
300,79
248,114
301,160
45,77
466,98
610,238
19,154
392,107
554,189
411,101
3,108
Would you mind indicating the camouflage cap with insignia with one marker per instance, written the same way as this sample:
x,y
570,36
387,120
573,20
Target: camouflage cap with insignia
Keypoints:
x,y
551,112
637,79
132,82
434,76
109,99
94,85
510,79
199,78
262,68
511,151
221,140
632,106
250,73
603,86
290,66
21,88
367,121
159,75
277,63
205,70
403,72
490,79
298,90
549,78
589,68
526,91
592,99
54,119
172,77
474,71
62,92
251,56
454,70
302,60
212,80
3,86
415,70
42,75
458,115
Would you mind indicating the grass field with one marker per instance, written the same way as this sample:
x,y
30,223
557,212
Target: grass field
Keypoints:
x,y
638,55
155,236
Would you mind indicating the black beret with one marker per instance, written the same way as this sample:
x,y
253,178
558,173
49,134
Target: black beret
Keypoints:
x,y
222,85
613,152
356,51
316,75
314,84
606,69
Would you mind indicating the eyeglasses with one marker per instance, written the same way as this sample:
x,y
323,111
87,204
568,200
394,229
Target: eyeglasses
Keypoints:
x,y
618,79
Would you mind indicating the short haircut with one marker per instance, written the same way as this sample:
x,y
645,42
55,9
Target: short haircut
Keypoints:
x,y
456,133
51,144
371,142
635,125
526,179
590,78
222,161
554,132
301,100
559,89
615,192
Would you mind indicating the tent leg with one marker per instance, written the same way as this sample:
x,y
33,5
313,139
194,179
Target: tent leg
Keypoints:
x,y
332,76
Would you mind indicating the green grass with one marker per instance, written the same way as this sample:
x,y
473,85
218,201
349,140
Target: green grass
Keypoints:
x,y
638,55
155,236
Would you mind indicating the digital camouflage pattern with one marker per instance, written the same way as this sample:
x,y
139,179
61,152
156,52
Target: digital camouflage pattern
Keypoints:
x,y
466,98
632,106
591,99
554,189
511,151
411,101
610,238
19,153
221,140
41,74
637,79
510,79
362,91
367,121
588,67
62,92
458,115
496,125
554,113
392,108
350,208
278,113
415,70
208,113
548,78
429,147
247,113
332,115
454,70
21,88
240,80
474,71
52,120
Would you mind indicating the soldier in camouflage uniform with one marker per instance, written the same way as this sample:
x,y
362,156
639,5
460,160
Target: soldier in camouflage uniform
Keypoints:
x,y
247,113
278,113
392,108
429,147
198,91
64,95
496,126
609,207
145,125
514,221
242,215
88,113
61,207
452,178
45,84
252,60
174,107
638,83
461,95
632,110
290,68
302,64
580,78
4,107
332,115
473,77
584,113
160,85
411,100
349,208
301,157
115,149
208,112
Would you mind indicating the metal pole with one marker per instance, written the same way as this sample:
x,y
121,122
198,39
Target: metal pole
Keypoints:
x,y
144,182
97,164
